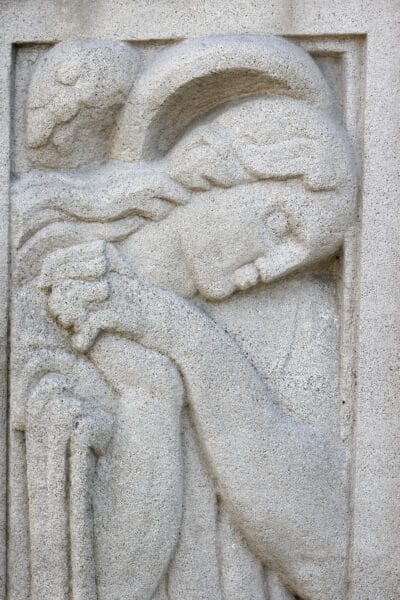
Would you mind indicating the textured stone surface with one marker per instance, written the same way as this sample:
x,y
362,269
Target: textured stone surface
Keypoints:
x,y
202,354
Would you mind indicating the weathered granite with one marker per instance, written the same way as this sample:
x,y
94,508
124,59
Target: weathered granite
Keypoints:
x,y
200,301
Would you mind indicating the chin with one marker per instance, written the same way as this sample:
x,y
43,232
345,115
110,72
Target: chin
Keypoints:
x,y
216,292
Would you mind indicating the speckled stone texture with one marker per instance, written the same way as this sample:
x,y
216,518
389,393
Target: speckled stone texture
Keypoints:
x,y
199,300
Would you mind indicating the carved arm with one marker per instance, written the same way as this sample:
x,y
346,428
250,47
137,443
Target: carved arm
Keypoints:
x,y
255,450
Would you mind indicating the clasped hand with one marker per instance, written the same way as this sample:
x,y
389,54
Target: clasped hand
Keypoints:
x,y
91,290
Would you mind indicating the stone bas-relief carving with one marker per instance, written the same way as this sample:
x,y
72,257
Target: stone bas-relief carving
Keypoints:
x,y
175,434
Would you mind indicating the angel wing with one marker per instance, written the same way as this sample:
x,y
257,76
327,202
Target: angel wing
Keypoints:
x,y
74,97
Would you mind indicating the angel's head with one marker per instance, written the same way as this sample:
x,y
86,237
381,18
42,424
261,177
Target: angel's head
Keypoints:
x,y
261,187
273,191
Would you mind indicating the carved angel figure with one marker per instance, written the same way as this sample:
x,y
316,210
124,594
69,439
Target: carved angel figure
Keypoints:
x,y
159,462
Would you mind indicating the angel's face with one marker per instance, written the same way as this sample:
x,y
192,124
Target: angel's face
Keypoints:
x,y
236,238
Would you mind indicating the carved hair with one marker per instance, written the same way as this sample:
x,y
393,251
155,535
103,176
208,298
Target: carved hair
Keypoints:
x,y
264,138
259,139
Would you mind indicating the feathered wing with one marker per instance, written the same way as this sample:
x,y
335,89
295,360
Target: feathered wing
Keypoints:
x,y
75,93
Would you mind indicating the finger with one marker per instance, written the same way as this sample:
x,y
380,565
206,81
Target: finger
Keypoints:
x,y
87,334
76,253
89,329
56,262
61,308
84,269
69,301
117,263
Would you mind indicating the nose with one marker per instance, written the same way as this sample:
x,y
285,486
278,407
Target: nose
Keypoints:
x,y
251,274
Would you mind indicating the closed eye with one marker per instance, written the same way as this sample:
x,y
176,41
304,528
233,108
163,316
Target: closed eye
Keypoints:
x,y
278,224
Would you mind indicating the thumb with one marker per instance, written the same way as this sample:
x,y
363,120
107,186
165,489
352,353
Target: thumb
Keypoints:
x,y
117,263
